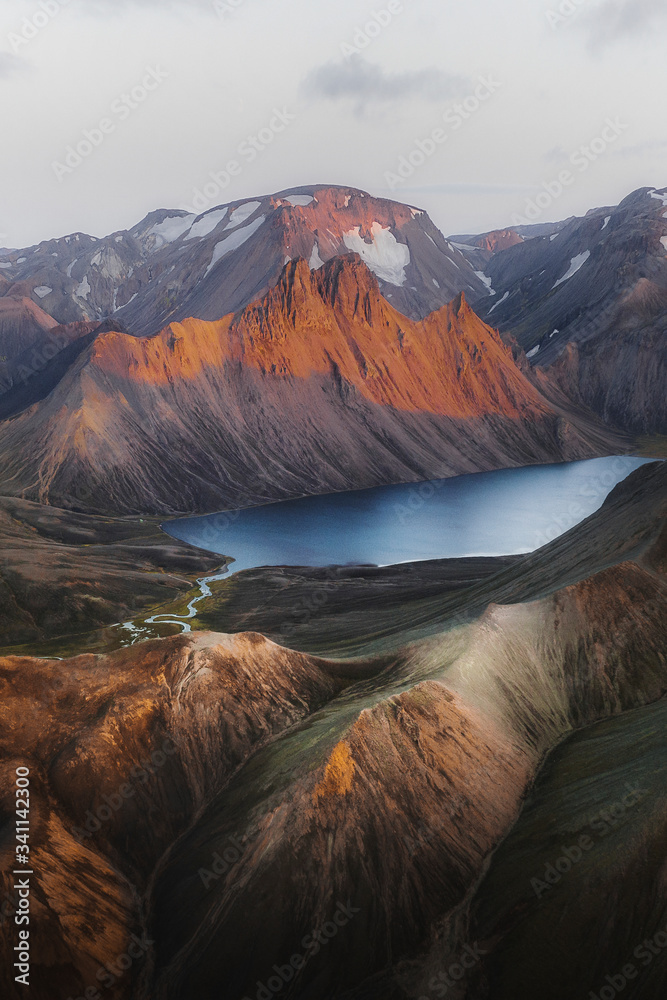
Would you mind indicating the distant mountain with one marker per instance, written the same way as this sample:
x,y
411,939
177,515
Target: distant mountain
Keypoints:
x,y
175,265
478,250
599,285
321,386
22,325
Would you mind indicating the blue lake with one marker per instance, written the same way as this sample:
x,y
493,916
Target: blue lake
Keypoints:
x,y
494,513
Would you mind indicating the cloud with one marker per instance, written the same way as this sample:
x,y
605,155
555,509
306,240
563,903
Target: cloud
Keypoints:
x,y
651,147
614,20
10,65
365,84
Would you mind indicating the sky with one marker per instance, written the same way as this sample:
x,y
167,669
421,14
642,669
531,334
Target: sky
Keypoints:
x,y
469,109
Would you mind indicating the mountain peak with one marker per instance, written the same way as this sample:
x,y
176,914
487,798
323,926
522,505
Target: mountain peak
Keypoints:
x,y
348,284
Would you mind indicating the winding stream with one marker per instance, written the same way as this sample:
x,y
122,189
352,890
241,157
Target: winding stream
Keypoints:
x,y
512,511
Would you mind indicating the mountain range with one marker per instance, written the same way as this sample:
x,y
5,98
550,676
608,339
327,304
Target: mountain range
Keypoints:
x,y
203,802
173,265
320,386
588,302
582,304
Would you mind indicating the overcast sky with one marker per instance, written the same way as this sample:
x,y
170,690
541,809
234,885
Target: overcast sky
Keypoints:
x,y
222,70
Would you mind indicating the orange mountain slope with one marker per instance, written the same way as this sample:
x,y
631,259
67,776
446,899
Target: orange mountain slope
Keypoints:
x,y
320,386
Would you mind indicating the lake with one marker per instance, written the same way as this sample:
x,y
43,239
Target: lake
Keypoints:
x,y
508,512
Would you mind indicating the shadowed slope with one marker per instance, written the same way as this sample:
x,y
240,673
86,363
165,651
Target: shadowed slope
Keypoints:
x,y
321,387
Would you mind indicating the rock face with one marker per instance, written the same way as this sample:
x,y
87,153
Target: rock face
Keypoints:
x,y
248,811
174,265
321,386
600,284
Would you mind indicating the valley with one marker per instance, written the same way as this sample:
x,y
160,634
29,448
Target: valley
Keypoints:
x,y
381,772
332,565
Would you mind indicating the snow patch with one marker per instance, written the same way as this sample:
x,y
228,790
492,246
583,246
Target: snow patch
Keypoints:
x,y
385,256
436,283
206,224
5,265
487,281
416,212
97,258
531,354
54,254
575,265
450,261
553,334
463,246
70,266
127,303
315,262
663,240
242,213
348,198
42,291
83,288
170,229
499,302
659,197
554,236
21,260
233,242
300,200
606,222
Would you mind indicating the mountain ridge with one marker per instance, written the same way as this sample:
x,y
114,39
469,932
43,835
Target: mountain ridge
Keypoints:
x,y
321,386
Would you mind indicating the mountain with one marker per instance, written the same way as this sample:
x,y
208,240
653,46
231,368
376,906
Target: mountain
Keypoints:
x,y
591,300
22,326
320,386
479,249
174,264
214,805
